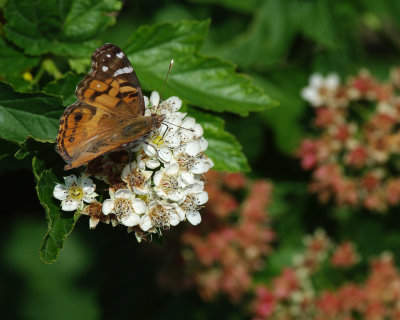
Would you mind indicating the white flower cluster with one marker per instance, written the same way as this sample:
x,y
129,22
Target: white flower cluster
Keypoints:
x,y
161,188
321,91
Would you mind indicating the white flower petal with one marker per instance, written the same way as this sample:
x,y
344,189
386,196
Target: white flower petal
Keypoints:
x,y
172,169
131,220
89,198
174,219
173,104
146,101
181,213
145,223
165,155
108,207
70,180
123,194
316,80
177,196
152,163
87,185
203,144
196,187
198,130
192,148
60,192
173,140
189,123
149,150
157,177
200,166
128,169
187,177
139,206
201,198
69,205
194,217
332,81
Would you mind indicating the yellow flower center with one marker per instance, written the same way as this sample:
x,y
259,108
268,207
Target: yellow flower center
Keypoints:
x,y
76,193
158,140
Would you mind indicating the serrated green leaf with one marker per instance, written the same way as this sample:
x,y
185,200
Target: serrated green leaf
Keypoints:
x,y
206,82
13,61
28,114
223,148
64,87
60,224
65,28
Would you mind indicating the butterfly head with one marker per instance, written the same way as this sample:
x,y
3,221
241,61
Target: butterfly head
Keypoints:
x,y
157,120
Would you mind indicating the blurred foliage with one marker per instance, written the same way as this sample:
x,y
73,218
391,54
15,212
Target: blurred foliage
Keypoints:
x,y
279,43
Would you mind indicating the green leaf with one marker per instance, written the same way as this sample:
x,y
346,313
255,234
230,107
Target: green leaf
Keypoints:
x,y
242,6
13,61
285,120
223,148
65,28
317,22
64,87
207,82
28,114
266,41
60,224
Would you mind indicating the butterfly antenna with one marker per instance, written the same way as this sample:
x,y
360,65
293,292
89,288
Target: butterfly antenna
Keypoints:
x,y
166,78
165,123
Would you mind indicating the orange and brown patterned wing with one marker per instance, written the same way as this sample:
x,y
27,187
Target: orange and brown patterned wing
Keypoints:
x,y
87,132
112,84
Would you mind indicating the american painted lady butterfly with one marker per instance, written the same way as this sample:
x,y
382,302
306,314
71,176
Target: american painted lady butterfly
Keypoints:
x,y
109,113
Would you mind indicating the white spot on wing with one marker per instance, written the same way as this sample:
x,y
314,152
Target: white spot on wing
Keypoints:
x,y
120,54
98,85
104,68
123,71
108,55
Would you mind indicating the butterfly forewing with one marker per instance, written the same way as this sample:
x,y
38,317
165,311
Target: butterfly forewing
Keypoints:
x,y
110,112
112,83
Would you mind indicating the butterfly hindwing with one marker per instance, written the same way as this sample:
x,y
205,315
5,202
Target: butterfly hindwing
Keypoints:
x,y
87,132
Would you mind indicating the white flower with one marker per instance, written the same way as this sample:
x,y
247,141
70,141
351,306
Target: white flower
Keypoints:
x,y
125,206
158,148
190,130
145,161
195,198
138,180
192,162
167,184
159,214
321,91
171,105
74,192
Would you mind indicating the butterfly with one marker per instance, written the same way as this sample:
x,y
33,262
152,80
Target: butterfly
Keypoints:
x,y
109,113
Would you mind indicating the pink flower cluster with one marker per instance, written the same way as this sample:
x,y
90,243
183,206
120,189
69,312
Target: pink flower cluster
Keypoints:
x,y
354,158
234,238
293,295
